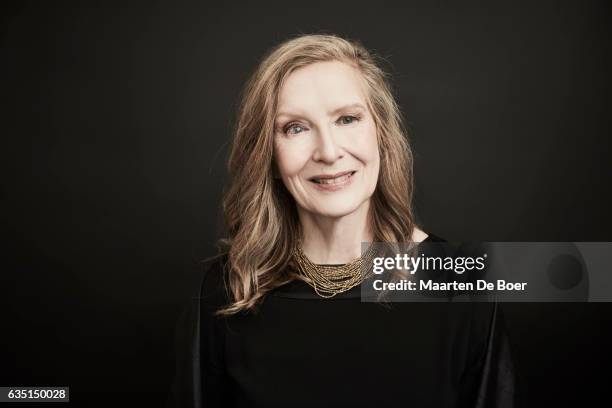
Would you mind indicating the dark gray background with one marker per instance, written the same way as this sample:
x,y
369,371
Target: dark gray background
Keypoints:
x,y
115,126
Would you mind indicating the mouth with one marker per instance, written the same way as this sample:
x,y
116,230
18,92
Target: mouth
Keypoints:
x,y
333,179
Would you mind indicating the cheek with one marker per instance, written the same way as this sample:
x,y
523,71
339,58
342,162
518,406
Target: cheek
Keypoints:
x,y
290,160
372,141
367,146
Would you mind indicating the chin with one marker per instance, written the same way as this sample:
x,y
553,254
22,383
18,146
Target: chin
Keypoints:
x,y
333,213
338,208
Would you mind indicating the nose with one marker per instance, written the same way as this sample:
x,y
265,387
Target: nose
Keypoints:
x,y
326,149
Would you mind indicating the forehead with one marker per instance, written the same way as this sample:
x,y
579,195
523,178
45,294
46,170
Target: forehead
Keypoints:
x,y
321,86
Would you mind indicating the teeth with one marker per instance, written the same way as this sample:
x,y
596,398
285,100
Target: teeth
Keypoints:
x,y
337,180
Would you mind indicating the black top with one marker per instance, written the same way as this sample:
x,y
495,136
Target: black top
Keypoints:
x,y
301,350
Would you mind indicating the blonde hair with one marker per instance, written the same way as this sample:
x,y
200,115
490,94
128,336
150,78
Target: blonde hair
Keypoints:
x,y
260,214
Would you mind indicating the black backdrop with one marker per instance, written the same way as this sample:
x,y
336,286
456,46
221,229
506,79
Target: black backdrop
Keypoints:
x,y
115,126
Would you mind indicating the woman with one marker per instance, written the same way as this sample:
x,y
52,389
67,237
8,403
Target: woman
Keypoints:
x,y
319,164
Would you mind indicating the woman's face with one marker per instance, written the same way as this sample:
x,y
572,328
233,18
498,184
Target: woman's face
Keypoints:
x,y
325,143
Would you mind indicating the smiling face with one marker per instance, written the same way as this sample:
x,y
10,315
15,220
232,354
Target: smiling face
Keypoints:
x,y
325,144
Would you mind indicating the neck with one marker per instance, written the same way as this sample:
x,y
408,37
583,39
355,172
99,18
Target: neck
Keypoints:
x,y
335,240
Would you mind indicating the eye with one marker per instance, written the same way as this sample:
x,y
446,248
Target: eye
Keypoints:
x,y
347,119
294,129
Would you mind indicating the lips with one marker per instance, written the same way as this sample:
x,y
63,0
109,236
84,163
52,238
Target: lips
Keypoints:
x,y
338,178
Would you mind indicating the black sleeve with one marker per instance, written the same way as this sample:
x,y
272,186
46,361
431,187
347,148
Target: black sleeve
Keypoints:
x,y
489,378
200,378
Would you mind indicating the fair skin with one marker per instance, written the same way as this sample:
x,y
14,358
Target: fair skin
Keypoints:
x,y
324,128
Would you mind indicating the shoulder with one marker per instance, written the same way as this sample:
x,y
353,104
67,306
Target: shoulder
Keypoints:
x,y
418,235
212,289
434,238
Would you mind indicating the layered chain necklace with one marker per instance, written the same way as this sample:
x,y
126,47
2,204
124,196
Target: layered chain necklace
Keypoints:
x,y
330,280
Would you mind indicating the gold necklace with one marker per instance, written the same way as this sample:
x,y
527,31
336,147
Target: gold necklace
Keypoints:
x,y
329,280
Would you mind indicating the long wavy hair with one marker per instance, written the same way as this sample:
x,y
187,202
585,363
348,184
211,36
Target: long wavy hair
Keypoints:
x,y
261,221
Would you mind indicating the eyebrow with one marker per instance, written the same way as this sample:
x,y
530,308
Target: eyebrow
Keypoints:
x,y
348,108
356,105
